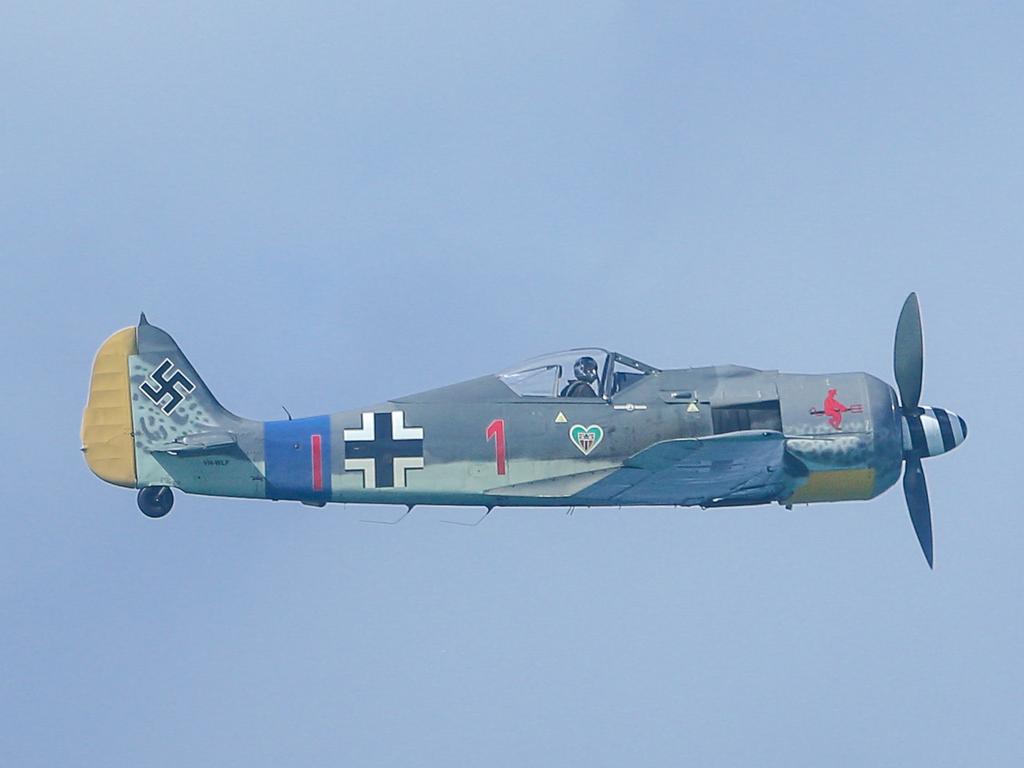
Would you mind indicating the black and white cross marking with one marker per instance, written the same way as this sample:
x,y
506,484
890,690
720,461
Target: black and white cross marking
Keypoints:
x,y
384,449
175,386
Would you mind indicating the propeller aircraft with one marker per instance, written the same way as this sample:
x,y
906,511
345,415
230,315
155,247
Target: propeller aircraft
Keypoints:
x,y
586,427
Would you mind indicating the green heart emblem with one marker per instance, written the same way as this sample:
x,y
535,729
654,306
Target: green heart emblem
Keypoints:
x,y
586,438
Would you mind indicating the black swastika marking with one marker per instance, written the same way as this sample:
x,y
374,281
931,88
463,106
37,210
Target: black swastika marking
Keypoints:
x,y
175,386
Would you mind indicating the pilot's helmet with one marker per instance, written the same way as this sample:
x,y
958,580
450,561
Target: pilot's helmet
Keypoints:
x,y
586,369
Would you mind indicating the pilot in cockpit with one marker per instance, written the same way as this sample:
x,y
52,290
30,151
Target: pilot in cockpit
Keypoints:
x,y
585,371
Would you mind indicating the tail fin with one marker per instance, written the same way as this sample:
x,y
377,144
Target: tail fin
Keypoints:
x,y
145,397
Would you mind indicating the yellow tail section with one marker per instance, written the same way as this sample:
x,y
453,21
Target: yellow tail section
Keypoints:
x,y
108,441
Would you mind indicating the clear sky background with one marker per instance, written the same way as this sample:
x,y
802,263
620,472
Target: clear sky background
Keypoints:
x,y
328,205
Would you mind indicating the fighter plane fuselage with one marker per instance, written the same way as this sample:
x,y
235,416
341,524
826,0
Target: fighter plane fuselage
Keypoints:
x,y
480,442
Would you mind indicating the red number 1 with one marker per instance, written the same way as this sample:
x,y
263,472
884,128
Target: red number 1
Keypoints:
x,y
496,429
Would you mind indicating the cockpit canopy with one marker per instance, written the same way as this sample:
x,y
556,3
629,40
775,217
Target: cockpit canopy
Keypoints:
x,y
553,375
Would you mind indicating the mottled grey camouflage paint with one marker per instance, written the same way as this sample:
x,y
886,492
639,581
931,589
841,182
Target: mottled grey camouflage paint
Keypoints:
x,y
162,453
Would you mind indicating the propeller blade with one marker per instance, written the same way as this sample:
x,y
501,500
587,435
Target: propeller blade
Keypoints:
x,y
908,353
916,490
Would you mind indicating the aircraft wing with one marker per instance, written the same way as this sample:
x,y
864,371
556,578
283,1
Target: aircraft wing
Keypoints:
x,y
559,487
738,466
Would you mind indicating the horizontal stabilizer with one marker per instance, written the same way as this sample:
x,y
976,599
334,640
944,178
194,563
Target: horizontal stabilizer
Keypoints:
x,y
198,442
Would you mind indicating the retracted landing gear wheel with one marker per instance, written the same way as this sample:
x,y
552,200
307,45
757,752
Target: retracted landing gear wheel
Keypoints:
x,y
156,501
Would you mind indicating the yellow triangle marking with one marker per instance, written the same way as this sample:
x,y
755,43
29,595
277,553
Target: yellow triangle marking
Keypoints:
x,y
560,418
692,408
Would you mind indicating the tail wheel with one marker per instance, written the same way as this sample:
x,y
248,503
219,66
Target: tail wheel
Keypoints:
x,y
156,501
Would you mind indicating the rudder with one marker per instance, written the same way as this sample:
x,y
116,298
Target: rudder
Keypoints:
x,y
107,434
